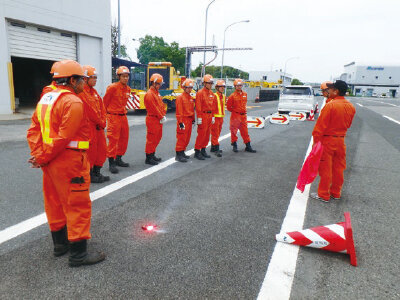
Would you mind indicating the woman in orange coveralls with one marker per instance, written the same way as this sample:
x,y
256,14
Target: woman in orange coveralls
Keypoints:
x,y
184,120
96,113
58,139
331,128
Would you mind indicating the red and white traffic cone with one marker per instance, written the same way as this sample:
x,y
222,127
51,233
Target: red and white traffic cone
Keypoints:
x,y
336,238
311,116
316,109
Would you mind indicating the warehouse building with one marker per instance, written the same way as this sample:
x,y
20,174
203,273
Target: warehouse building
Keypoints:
x,y
34,34
271,76
372,80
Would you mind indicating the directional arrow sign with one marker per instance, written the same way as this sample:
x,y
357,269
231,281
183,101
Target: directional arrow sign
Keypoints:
x,y
279,119
255,122
298,116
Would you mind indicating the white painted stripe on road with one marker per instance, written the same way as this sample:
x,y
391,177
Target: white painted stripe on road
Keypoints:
x,y
388,103
27,225
282,266
360,104
391,119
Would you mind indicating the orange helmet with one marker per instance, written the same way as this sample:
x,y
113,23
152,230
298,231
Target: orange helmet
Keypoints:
x,y
157,78
220,83
89,71
68,68
54,67
208,78
238,81
324,85
122,70
188,83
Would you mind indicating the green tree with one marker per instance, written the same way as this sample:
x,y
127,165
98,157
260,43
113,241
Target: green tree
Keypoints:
x,y
215,71
114,43
295,81
156,49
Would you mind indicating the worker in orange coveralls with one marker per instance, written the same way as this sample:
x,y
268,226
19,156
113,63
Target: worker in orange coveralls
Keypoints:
x,y
331,128
155,118
237,105
184,120
205,109
52,85
324,89
59,138
115,100
96,113
219,118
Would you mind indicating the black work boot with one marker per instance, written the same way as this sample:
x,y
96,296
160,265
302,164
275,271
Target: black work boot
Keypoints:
x,y
96,170
120,162
249,149
179,157
150,160
198,155
184,155
204,153
94,177
213,148
218,152
60,241
79,256
234,145
112,165
157,159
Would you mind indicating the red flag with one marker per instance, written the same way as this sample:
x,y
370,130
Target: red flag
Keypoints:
x,y
133,102
310,167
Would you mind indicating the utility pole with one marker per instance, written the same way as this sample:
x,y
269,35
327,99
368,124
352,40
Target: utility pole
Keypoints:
x,y
119,30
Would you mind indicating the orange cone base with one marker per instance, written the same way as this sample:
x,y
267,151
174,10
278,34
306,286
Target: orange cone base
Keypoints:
x,y
336,238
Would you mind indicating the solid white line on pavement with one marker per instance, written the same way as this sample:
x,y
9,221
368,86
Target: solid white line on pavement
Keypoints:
x,y
29,224
360,104
282,266
391,119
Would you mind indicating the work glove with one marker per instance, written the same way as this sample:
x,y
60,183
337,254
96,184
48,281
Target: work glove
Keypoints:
x,y
181,126
213,120
199,121
163,120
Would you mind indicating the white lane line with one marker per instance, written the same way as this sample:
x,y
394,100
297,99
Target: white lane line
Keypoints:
x,y
360,104
388,103
29,224
391,119
282,266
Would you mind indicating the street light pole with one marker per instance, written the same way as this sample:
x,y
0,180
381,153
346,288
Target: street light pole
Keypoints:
x,y
119,30
284,72
205,36
223,46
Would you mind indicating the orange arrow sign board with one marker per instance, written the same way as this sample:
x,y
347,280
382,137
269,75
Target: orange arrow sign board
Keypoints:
x,y
299,116
279,119
255,122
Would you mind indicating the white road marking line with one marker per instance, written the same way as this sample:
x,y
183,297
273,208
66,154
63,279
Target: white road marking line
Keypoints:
x,y
388,103
360,104
282,266
29,224
391,119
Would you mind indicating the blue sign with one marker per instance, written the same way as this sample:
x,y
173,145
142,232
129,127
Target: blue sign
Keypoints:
x,y
375,68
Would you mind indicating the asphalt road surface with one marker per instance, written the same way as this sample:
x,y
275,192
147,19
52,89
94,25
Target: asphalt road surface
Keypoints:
x,y
216,219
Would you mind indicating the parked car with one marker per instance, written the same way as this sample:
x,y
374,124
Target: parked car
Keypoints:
x,y
297,98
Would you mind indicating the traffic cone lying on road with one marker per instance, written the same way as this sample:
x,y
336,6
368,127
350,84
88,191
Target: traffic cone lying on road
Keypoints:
x,y
311,116
336,238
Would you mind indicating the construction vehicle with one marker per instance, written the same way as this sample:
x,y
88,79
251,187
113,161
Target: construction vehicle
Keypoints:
x,y
171,88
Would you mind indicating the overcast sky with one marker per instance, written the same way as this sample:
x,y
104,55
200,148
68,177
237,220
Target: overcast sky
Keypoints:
x,y
325,35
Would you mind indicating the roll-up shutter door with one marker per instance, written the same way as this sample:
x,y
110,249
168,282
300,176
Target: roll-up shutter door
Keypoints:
x,y
34,41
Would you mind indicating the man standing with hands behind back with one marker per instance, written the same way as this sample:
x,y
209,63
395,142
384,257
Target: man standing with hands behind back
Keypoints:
x,y
331,128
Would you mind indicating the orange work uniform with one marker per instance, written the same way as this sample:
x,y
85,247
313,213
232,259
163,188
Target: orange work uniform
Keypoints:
x,y
58,138
96,113
115,100
330,130
219,119
205,109
237,105
184,114
48,88
155,108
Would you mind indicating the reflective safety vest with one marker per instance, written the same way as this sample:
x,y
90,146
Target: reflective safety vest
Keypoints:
x,y
221,108
43,111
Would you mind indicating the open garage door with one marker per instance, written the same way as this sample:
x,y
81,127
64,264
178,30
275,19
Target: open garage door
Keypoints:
x,y
33,50
33,41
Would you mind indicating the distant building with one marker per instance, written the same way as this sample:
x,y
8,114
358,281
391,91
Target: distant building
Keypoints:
x,y
372,80
271,76
34,34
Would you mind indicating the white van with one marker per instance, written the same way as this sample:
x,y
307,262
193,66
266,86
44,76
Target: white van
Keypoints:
x,y
297,98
